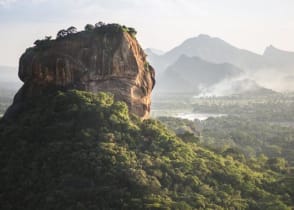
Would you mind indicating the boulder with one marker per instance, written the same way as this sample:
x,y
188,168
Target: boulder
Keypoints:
x,y
107,59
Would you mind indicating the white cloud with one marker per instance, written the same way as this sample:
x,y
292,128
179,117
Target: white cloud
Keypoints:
x,y
6,3
9,3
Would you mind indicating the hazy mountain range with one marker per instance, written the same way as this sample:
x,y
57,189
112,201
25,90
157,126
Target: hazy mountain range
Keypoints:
x,y
273,69
154,51
190,74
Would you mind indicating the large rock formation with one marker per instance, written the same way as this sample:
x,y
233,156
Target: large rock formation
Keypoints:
x,y
108,59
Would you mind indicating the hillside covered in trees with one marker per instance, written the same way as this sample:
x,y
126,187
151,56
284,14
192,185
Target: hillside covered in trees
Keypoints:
x,y
80,150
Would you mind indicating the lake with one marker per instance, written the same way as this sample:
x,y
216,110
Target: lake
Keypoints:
x,y
184,114
198,116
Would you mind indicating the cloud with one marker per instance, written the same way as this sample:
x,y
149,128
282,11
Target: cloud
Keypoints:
x,y
275,79
26,11
6,3
12,11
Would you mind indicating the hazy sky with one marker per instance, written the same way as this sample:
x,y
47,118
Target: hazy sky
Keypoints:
x,y
161,24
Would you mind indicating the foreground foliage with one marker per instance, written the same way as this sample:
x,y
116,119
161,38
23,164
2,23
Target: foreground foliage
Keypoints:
x,y
77,150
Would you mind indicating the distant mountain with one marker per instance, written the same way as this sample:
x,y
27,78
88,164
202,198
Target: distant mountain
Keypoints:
x,y
153,57
153,51
191,74
218,51
210,49
214,50
279,59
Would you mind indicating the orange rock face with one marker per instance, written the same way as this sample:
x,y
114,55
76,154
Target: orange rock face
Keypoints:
x,y
110,61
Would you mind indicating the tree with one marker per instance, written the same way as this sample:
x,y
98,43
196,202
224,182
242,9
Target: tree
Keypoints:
x,y
99,24
48,37
277,164
43,42
72,30
37,42
89,27
132,31
61,34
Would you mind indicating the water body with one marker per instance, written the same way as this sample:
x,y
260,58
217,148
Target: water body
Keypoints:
x,y
198,116
184,114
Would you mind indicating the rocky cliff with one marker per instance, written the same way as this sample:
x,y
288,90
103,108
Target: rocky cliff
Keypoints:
x,y
107,58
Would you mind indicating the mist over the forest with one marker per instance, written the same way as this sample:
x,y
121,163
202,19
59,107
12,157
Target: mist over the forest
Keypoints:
x,y
208,66
263,81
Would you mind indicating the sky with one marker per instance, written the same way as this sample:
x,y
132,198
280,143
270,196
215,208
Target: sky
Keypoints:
x,y
161,24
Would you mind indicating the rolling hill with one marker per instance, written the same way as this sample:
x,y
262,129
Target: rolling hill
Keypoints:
x,y
191,74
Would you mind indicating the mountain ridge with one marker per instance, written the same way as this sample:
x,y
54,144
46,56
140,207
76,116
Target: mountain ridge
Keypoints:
x,y
270,69
189,73
211,49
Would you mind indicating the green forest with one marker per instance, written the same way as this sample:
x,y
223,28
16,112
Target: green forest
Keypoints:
x,y
89,153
